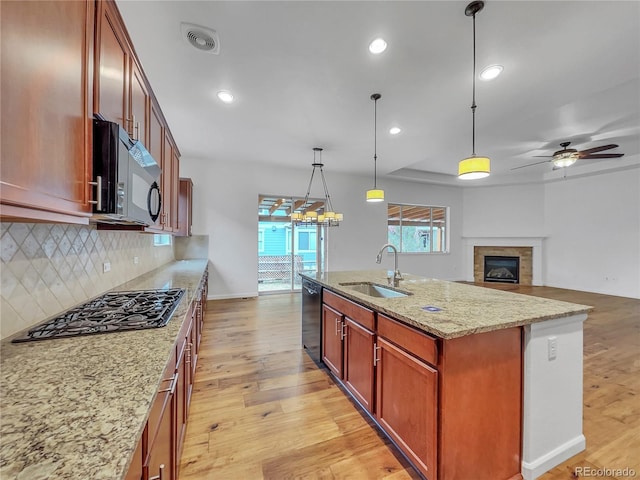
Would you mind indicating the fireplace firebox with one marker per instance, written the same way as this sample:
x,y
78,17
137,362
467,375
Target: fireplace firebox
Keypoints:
x,y
501,269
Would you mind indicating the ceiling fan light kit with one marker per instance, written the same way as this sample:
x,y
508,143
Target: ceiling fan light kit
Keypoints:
x,y
375,194
568,156
474,167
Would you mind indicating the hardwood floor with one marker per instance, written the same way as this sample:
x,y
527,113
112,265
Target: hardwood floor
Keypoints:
x,y
261,409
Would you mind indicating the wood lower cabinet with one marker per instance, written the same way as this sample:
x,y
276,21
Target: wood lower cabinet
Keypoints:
x,y
135,471
407,404
47,108
160,447
332,332
452,406
358,362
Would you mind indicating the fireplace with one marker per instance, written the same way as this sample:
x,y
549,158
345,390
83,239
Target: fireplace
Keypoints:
x,y
501,269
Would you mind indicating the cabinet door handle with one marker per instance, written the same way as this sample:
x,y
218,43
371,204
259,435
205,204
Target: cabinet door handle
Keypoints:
x,y
343,331
98,185
376,360
160,475
338,326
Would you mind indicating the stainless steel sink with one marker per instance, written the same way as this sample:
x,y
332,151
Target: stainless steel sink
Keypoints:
x,y
376,290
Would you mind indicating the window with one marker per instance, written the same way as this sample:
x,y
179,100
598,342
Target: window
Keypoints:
x,y
417,228
160,239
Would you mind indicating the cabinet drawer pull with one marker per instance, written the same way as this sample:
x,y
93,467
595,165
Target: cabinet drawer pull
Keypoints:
x,y
172,386
376,360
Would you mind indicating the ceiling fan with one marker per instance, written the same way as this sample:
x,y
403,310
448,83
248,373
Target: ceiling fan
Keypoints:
x,y
568,156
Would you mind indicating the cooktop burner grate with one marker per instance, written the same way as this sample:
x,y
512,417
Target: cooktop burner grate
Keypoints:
x,y
111,312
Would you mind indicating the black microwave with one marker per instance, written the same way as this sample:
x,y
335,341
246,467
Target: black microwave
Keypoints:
x,y
126,178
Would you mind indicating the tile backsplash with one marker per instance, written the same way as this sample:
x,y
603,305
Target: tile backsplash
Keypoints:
x,y
47,268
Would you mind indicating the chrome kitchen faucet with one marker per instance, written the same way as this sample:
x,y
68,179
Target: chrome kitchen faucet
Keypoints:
x,y
397,276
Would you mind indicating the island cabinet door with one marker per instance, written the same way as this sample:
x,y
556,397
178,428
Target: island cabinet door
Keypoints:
x,y
332,333
358,362
406,404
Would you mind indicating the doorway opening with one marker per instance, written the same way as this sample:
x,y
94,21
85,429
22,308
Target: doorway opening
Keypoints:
x,y
284,249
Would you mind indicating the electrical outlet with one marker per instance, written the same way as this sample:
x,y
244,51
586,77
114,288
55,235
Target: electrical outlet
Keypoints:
x,y
136,260
552,347
106,267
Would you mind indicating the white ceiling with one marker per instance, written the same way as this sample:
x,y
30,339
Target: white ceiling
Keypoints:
x,y
302,77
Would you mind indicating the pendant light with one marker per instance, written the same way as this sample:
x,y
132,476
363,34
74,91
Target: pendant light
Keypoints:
x,y
329,217
474,167
375,194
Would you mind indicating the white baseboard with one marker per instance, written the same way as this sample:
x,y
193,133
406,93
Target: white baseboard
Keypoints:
x,y
534,469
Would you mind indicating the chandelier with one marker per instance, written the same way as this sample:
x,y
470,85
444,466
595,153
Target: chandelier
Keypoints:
x,y
329,217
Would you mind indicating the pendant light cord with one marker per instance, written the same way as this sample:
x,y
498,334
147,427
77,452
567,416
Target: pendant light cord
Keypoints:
x,y
473,100
375,142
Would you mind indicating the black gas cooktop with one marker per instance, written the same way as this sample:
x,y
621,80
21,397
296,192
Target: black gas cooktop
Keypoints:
x,y
111,312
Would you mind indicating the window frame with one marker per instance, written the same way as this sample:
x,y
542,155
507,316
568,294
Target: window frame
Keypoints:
x,y
427,227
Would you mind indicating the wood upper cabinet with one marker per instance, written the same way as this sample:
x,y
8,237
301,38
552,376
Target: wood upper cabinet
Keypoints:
x,y
139,105
358,362
121,92
112,66
407,404
169,184
332,331
185,207
47,101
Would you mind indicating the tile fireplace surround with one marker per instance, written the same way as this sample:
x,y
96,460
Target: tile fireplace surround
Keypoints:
x,y
531,274
524,253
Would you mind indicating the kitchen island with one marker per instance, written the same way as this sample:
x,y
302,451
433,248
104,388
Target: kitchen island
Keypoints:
x,y
468,382
76,408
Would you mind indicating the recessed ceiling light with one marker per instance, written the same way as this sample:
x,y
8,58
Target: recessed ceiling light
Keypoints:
x,y
395,130
491,72
225,96
378,46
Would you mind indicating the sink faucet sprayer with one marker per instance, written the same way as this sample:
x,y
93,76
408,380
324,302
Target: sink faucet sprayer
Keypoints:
x,y
397,276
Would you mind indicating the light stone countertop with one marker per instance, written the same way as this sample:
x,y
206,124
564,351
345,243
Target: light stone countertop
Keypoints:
x,y
463,309
74,408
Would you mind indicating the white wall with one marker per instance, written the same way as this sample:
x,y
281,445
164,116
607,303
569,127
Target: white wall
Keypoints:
x,y
589,226
594,233
509,211
225,208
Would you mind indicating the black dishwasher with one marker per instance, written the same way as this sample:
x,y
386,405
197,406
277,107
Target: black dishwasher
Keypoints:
x,y
312,319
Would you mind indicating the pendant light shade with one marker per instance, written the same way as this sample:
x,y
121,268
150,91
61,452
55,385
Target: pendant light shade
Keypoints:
x,y
375,194
474,167
329,217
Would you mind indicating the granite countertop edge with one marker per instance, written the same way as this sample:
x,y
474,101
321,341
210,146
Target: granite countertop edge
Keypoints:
x,y
88,425
457,309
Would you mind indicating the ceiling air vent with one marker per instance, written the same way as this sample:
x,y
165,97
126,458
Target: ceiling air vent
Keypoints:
x,y
202,38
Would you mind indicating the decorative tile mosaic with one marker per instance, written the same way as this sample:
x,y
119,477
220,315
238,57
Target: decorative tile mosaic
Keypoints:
x,y
47,268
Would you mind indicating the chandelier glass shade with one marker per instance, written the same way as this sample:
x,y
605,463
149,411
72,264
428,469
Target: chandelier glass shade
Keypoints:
x,y
307,215
474,167
565,159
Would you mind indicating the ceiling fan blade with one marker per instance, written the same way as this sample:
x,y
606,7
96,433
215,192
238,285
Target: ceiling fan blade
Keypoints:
x,y
530,164
596,149
601,155
543,156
